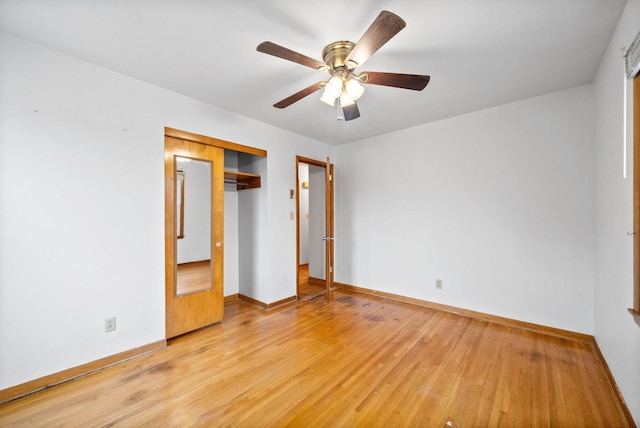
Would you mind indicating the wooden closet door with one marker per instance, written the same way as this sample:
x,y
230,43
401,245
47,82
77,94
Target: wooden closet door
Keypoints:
x,y
193,303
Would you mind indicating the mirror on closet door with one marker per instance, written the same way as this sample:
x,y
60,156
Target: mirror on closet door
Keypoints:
x,y
193,225
180,203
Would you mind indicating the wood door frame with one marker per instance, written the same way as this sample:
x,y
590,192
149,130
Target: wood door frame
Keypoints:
x,y
210,141
329,229
635,310
328,212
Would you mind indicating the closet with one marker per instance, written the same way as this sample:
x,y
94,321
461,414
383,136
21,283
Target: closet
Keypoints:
x,y
244,211
213,195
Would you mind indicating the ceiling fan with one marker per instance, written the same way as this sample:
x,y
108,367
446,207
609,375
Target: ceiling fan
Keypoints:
x,y
341,60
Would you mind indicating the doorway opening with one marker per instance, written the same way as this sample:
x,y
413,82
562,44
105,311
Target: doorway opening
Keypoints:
x,y
314,206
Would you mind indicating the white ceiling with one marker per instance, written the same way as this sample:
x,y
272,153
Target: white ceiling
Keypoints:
x,y
479,53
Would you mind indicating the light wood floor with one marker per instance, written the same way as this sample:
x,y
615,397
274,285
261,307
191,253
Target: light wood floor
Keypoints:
x,y
307,290
356,361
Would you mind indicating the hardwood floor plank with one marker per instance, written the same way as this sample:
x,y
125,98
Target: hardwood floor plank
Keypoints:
x,y
357,361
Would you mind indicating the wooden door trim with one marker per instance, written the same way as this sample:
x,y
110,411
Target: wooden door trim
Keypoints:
x,y
301,159
298,226
635,310
329,232
210,141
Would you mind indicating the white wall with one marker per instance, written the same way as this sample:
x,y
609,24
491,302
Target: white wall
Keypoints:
x,y
497,203
312,219
317,224
615,331
82,236
253,245
231,256
303,198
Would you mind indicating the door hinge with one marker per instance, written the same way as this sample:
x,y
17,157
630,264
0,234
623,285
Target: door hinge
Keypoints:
x,y
331,269
330,177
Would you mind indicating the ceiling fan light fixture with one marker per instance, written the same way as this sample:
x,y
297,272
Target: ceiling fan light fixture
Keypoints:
x,y
346,99
328,98
354,88
341,59
333,87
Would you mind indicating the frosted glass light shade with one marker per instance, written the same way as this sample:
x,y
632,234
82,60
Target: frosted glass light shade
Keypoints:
x,y
333,87
346,100
354,89
327,98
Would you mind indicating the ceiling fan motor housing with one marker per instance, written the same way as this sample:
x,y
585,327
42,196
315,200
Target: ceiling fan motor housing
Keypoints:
x,y
335,54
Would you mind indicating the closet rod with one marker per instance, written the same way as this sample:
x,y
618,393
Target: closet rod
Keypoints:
x,y
236,182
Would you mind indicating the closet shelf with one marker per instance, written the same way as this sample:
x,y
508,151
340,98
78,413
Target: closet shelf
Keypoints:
x,y
243,180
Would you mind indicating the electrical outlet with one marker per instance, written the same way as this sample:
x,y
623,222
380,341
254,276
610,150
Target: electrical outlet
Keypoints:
x,y
109,324
439,284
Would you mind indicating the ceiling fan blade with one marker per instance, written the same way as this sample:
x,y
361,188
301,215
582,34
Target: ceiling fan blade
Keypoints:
x,y
298,95
416,82
350,112
383,28
288,54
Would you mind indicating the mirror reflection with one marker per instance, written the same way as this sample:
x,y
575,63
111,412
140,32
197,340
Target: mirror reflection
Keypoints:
x,y
193,224
179,204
